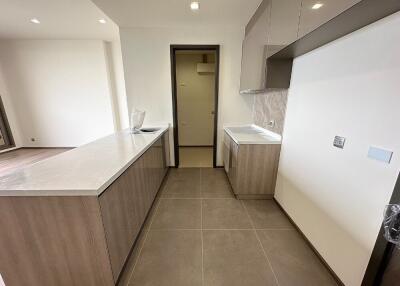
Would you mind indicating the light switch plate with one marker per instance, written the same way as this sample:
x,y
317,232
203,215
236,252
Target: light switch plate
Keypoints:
x,y
380,154
339,142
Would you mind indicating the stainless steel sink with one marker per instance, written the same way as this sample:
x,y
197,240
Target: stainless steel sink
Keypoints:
x,y
244,130
149,130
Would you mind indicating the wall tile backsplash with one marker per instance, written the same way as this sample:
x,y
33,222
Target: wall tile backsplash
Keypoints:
x,y
268,106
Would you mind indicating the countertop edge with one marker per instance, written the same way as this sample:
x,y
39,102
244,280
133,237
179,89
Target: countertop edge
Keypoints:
x,y
83,192
226,129
133,160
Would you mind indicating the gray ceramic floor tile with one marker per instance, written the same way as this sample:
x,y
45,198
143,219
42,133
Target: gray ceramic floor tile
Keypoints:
x,y
191,174
182,183
170,258
178,214
224,214
215,184
293,261
234,258
266,214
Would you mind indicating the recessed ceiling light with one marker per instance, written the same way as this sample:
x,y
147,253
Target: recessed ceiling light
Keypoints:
x,y
317,6
102,21
195,6
35,21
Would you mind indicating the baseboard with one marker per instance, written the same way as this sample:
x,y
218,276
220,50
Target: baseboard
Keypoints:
x,y
254,197
311,246
9,150
200,146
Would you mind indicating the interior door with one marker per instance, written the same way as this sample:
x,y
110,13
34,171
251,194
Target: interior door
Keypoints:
x,y
195,98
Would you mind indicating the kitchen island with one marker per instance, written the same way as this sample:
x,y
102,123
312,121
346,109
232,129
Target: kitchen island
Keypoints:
x,y
73,219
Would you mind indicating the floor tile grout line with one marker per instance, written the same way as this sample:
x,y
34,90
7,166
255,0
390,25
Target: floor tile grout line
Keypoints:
x,y
205,229
145,239
196,198
259,242
201,231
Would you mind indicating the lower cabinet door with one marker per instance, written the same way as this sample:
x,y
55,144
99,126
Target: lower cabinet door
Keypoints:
x,y
233,163
226,157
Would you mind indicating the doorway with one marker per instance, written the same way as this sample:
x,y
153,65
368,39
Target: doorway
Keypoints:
x,y
195,76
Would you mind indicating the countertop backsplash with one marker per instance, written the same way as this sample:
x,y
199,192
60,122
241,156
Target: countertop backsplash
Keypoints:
x,y
270,106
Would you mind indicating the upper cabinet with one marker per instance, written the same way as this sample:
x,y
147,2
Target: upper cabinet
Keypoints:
x,y
254,51
275,25
284,24
314,15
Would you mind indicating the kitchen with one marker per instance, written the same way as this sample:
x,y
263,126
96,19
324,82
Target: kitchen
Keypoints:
x,y
304,155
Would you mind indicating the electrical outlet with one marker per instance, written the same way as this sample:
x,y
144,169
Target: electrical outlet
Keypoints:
x,y
271,123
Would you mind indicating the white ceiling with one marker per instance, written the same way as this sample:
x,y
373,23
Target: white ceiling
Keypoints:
x,y
177,13
60,19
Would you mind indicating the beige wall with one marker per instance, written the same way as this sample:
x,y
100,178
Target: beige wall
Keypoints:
x,y
349,87
195,96
146,56
57,91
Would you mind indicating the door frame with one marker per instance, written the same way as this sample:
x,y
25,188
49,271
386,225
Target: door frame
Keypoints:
x,y
173,49
383,249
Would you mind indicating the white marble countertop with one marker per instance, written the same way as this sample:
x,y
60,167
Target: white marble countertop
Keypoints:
x,y
252,134
84,171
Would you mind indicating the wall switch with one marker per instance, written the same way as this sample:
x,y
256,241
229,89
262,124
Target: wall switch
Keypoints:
x,y
380,154
339,142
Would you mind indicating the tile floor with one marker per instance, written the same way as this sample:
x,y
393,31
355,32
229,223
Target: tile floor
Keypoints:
x,y
197,233
190,157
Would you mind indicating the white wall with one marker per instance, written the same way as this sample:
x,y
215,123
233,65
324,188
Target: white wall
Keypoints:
x,y
117,84
60,90
195,100
349,87
146,57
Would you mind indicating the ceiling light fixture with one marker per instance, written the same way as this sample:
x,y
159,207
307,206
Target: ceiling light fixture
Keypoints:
x,y
195,6
102,21
317,6
35,21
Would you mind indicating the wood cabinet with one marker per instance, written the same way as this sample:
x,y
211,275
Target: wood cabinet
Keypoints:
x,y
251,168
254,51
124,205
231,160
280,24
79,240
311,19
